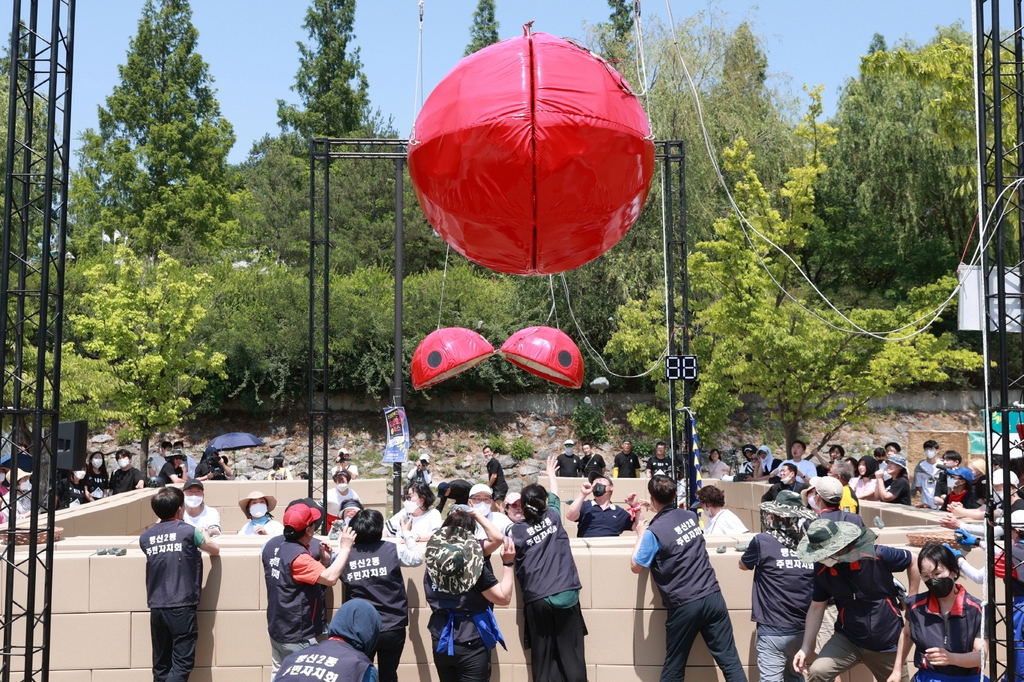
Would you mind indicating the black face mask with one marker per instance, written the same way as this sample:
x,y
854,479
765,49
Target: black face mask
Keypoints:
x,y
940,587
600,489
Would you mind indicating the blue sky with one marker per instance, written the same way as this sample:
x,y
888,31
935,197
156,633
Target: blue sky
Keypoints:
x,y
250,44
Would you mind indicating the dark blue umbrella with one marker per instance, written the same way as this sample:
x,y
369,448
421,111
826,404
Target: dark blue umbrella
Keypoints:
x,y
24,462
233,441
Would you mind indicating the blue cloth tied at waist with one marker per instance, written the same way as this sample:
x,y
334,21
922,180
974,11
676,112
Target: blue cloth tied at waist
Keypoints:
x,y
486,626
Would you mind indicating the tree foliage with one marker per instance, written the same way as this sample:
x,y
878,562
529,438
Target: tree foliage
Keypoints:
x,y
484,29
330,83
156,170
142,322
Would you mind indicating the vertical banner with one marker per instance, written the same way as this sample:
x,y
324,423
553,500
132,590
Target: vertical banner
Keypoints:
x,y
695,461
397,449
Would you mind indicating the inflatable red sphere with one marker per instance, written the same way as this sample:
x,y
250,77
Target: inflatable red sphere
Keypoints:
x,y
547,352
445,353
532,156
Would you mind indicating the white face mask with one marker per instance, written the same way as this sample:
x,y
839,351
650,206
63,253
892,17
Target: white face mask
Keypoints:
x,y
79,475
411,506
482,508
193,501
124,463
930,453
97,462
342,488
25,487
258,510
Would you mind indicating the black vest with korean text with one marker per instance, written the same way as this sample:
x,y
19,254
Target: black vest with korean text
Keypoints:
x,y
783,586
464,606
174,567
374,573
332,660
681,568
295,611
868,611
544,563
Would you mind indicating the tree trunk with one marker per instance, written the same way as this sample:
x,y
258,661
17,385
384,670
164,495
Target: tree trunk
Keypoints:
x,y
791,430
145,445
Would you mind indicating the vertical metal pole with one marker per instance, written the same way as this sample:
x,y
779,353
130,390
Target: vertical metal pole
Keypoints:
x,y
684,282
311,395
397,382
325,421
670,303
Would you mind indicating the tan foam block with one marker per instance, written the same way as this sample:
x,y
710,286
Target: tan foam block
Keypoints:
x,y
71,675
206,646
739,495
649,639
117,583
249,674
262,588
523,673
414,583
242,639
232,519
102,521
232,583
222,493
371,491
418,643
417,672
77,634
123,675
512,622
288,491
268,673
606,626
616,585
736,584
629,673
581,555
69,591
141,641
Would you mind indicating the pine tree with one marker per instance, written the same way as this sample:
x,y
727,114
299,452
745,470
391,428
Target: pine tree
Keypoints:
x,y
156,171
484,30
621,20
330,81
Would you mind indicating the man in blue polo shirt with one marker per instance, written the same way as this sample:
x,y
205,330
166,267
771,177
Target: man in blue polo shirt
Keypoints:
x,y
600,518
851,569
673,547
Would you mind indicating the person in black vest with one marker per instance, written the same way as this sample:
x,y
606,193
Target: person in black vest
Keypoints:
x,y
298,571
547,574
851,569
943,623
71,490
673,548
457,491
460,589
782,586
126,478
345,656
374,573
174,579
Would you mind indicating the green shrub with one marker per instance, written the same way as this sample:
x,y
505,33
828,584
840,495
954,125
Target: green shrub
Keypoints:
x,y
643,448
522,449
498,444
588,424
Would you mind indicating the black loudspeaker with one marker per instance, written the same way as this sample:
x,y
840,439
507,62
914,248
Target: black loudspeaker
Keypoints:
x,y
71,445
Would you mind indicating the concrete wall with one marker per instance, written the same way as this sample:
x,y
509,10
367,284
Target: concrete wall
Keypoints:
x,y
101,628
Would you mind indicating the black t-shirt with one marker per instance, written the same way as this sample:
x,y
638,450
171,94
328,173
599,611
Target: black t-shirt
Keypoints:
x,y
166,472
69,492
125,480
213,466
568,465
594,464
500,487
900,487
627,465
96,481
661,466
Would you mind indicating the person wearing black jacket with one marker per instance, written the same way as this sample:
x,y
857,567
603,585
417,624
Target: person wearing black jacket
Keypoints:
x,y
787,481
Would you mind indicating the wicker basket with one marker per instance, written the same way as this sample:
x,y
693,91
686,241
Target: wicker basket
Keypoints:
x,y
922,538
22,537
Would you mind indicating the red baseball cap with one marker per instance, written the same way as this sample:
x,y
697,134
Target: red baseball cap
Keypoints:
x,y
298,516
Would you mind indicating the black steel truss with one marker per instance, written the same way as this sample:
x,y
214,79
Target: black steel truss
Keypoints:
x,y
322,153
999,68
31,303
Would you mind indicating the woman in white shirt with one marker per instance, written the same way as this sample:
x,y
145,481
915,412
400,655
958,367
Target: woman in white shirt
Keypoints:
x,y
418,499
717,519
716,467
339,495
257,507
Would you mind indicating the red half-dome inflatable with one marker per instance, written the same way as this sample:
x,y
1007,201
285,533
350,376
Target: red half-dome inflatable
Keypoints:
x,y
532,156
445,353
546,352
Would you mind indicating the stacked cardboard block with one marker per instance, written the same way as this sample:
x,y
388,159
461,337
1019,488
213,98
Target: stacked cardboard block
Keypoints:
x,y
101,623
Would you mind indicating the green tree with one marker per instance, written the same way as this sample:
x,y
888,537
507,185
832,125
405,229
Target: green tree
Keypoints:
x,y
156,171
330,83
484,30
142,323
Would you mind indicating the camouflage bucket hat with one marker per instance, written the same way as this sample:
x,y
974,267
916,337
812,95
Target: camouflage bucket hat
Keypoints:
x,y
454,560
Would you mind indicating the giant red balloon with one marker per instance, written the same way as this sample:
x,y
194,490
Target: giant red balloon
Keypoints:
x,y
532,156
445,353
549,353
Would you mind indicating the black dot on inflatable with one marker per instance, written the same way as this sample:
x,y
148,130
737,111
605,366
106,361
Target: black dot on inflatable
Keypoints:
x,y
564,358
434,359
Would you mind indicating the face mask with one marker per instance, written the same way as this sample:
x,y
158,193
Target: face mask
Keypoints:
x,y
342,488
998,496
600,489
79,475
258,510
411,506
829,561
193,501
124,463
482,508
930,453
25,487
812,500
97,462
940,587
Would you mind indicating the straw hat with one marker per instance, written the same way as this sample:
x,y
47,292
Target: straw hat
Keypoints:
x,y
244,503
